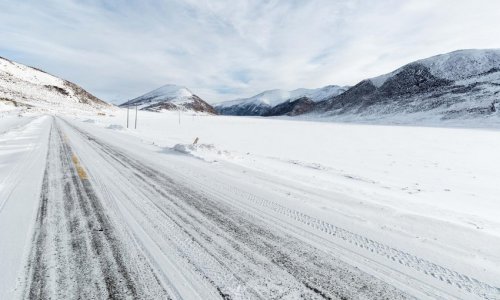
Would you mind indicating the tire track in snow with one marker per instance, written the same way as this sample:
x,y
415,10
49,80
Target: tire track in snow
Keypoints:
x,y
462,282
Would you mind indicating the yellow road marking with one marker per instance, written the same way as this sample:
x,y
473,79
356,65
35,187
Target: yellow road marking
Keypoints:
x,y
79,169
75,159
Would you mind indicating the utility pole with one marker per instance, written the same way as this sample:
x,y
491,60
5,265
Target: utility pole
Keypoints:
x,y
128,106
135,127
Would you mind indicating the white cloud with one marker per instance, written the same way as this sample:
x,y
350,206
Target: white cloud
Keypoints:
x,y
227,49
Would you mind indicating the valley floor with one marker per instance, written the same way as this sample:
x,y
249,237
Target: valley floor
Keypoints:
x,y
256,208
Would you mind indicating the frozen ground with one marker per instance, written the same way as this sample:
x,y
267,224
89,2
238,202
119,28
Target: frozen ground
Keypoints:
x,y
257,208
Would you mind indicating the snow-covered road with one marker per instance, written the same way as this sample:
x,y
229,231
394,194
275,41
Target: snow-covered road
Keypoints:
x,y
117,218
76,249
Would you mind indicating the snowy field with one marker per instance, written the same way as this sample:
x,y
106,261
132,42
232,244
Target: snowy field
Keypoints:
x,y
433,190
403,167
415,207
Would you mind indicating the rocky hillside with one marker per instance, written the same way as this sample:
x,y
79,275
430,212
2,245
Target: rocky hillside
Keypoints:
x,y
28,87
171,97
460,84
291,107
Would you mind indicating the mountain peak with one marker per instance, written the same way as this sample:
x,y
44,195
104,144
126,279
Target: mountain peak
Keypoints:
x,y
169,91
461,64
170,97
459,84
456,65
172,88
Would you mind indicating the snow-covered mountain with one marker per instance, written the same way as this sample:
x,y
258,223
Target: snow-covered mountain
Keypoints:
x,y
29,88
263,103
171,97
460,84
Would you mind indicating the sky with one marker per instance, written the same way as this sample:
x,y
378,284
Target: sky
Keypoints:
x,y
223,50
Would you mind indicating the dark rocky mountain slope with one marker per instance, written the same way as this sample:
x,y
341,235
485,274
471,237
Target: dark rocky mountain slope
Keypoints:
x,y
460,84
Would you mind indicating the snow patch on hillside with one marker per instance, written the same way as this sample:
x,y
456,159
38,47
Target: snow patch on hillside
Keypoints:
x,y
28,74
462,63
31,89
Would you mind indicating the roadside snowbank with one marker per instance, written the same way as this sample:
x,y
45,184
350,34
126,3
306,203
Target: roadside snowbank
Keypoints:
x,y
22,160
207,152
113,126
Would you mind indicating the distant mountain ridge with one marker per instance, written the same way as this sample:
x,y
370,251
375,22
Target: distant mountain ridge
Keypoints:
x,y
263,103
171,97
29,87
456,85
459,84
